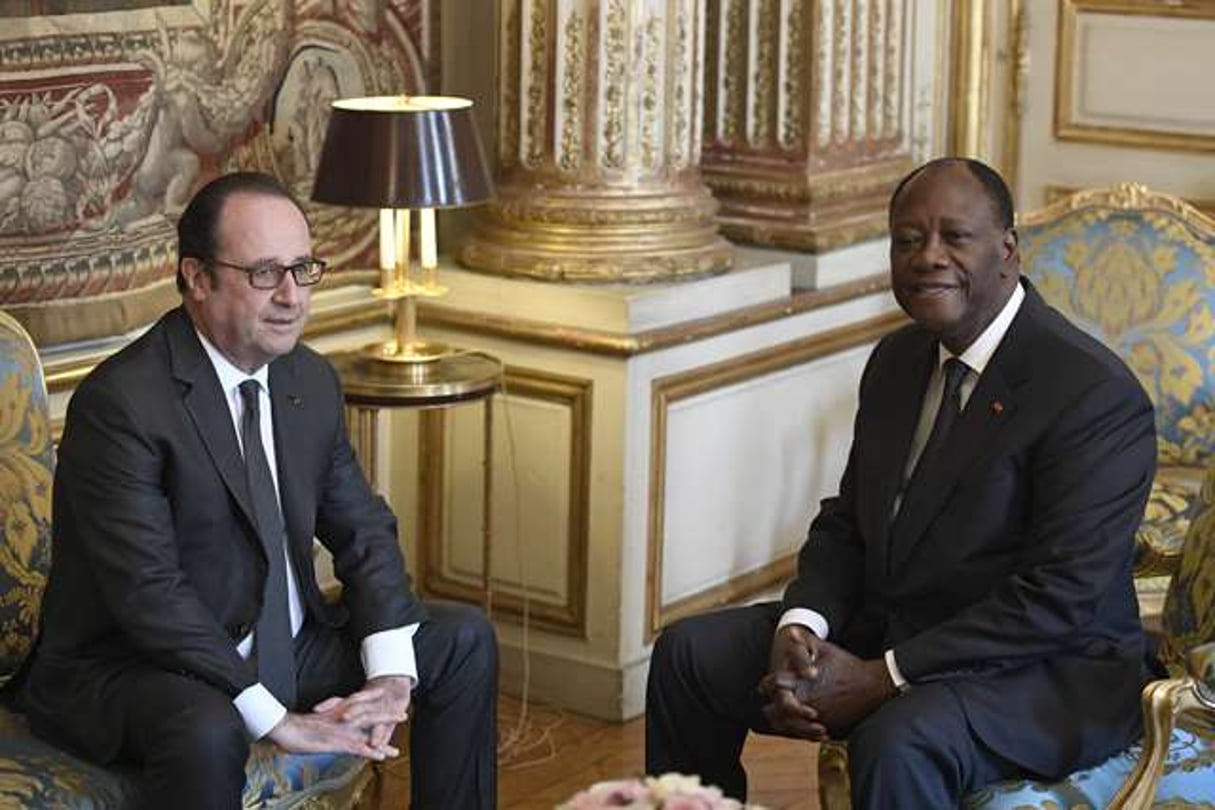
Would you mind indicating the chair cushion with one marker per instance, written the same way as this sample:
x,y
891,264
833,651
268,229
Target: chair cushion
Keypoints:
x,y
1188,781
1173,503
36,775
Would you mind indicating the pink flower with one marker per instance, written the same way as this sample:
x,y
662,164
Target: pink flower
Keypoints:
x,y
669,792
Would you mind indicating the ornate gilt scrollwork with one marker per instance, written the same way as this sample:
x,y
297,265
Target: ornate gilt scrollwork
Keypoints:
x,y
823,99
611,188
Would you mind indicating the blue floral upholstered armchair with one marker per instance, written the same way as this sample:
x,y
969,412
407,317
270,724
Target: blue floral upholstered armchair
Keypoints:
x,y
1137,270
34,774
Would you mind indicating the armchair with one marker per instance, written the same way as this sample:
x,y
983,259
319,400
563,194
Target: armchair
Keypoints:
x,y
1136,269
34,774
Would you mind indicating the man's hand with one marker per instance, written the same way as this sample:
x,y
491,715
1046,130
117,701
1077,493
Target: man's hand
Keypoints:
x,y
320,734
845,689
376,709
790,675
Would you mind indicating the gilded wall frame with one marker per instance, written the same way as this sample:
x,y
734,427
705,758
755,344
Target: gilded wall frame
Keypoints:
x,y
569,616
1066,127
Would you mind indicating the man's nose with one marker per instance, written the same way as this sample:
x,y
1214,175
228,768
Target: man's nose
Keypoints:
x,y
933,254
288,292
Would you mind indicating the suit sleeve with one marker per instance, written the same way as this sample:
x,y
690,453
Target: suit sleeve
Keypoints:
x,y
831,563
360,530
109,497
1089,478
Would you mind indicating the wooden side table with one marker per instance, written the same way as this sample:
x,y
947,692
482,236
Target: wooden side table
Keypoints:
x,y
371,385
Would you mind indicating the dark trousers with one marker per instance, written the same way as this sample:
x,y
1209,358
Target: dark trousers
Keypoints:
x,y
701,702
190,745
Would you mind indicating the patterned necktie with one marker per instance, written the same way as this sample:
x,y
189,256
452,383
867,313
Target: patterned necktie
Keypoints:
x,y
272,639
947,414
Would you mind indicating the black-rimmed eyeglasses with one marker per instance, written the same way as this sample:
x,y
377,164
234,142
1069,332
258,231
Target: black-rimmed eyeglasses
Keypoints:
x,y
306,272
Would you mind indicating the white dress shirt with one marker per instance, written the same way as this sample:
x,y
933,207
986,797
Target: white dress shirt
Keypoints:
x,y
388,652
976,357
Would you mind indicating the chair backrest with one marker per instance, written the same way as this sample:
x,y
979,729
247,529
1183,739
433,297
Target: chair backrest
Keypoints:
x,y
1189,608
1136,269
26,469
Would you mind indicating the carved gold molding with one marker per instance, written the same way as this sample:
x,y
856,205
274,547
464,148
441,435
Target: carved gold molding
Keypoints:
x,y
1054,193
616,344
665,392
1067,129
970,57
805,124
569,616
1124,196
1016,80
599,177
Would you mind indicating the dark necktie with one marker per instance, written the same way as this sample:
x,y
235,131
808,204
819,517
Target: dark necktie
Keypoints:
x,y
947,414
272,639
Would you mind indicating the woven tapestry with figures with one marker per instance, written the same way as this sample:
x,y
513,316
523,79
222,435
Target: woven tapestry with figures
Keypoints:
x,y
109,120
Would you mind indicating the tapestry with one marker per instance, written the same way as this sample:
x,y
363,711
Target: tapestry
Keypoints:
x,y
110,120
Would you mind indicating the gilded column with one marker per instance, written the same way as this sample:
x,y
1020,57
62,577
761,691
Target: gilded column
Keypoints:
x,y
598,145
806,118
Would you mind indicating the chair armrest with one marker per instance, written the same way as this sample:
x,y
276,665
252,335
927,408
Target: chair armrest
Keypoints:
x,y
1155,555
1200,664
1163,702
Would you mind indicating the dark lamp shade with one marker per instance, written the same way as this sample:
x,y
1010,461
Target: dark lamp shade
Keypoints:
x,y
402,152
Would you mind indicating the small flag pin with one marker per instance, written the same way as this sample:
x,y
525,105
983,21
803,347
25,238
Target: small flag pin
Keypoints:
x,y
997,407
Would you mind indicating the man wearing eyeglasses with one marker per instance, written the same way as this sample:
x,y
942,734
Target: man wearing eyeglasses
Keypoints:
x,y
182,619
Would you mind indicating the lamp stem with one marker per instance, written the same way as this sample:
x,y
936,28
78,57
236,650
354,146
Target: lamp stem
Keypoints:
x,y
406,323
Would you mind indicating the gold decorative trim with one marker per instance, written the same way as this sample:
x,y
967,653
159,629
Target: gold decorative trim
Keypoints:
x,y
1067,129
616,344
569,617
1016,80
665,392
970,53
1123,196
808,239
1054,193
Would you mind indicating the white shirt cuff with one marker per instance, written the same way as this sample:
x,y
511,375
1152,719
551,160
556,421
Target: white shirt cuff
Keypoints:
x,y
390,652
260,710
807,618
900,682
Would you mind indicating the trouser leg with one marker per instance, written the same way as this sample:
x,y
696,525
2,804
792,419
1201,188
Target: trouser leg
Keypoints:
x,y
701,698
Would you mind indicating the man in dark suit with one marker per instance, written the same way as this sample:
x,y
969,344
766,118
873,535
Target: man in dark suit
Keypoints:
x,y
182,617
963,610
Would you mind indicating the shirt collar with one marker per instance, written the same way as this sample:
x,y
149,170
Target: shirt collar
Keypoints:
x,y
230,377
978,354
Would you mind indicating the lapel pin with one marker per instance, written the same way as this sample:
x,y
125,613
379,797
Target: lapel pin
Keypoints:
x,y
997,408
294,400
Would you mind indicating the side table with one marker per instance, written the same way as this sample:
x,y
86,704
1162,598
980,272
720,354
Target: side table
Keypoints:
x,y
370,385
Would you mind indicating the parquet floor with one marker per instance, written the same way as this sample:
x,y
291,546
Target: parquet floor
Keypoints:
x,y
557,753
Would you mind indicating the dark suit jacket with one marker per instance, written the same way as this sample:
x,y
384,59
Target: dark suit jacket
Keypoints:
x,y
156,561
1008,574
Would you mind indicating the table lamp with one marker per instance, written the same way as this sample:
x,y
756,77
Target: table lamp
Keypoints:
x,y
407,156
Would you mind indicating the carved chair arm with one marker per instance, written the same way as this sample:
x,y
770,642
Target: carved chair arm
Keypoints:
x,y
1163,702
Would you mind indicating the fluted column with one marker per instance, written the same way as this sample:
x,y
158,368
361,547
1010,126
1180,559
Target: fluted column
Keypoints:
x,y
598,145
806,118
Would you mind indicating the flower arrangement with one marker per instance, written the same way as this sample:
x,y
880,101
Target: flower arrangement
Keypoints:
x,y
670,791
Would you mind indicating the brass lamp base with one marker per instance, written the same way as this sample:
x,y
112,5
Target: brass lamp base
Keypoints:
x,y
416,351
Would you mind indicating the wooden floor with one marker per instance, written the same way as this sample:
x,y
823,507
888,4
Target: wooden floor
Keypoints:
x,y
553,754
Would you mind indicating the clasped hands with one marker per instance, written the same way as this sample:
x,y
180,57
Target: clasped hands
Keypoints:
x,y
360,723
816,690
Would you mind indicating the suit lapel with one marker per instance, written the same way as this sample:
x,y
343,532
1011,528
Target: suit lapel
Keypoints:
x,y
208,409
975,435
896,427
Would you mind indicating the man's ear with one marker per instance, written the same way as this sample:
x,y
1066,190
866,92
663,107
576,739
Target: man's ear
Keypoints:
x,y
197,279
1008,246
